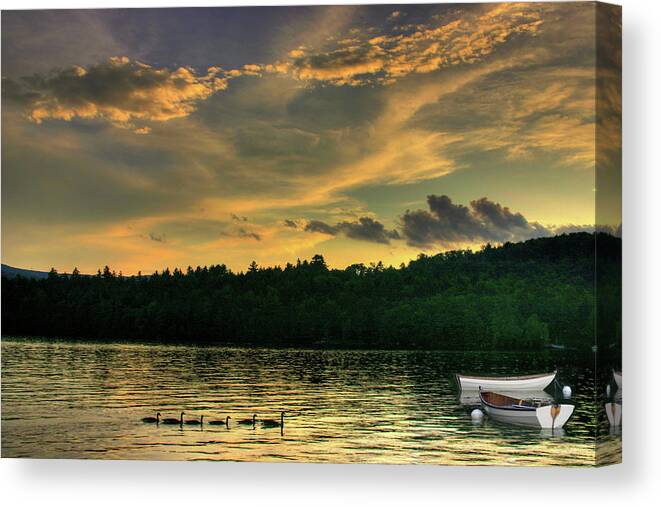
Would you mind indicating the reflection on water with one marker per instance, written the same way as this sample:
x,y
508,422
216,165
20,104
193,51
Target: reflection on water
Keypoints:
x,y
87,401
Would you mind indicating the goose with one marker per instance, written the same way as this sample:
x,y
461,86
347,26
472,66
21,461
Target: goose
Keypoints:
x,y
249,422
272,423
195,422
171,420
156,419
226,422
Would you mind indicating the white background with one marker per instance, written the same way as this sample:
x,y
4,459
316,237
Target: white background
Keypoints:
x,y
636,482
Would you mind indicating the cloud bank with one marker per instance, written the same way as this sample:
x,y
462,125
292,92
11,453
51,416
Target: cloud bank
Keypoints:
x,y
446,223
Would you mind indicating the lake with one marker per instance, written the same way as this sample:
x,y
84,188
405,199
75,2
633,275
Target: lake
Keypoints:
x,y
66,400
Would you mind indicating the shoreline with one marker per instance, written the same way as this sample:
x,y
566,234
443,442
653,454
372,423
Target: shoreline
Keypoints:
x,y
236,346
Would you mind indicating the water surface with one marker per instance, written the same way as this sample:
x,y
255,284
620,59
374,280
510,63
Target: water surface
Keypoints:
x,y
62,400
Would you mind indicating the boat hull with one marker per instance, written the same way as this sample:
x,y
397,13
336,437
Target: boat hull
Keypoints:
x,y
549,416
518,417
522,383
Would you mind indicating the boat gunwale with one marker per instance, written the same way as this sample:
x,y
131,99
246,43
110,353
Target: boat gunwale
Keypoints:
x,y
518,377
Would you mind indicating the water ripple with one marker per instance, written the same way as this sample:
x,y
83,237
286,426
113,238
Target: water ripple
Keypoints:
x,y
86,401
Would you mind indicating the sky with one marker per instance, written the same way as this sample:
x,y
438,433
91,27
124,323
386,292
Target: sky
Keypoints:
x,y
151,138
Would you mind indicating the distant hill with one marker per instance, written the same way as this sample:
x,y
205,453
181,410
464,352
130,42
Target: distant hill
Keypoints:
x,y
11,272
514,296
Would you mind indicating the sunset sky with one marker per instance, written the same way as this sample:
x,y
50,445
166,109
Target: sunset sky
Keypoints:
x,y
146,139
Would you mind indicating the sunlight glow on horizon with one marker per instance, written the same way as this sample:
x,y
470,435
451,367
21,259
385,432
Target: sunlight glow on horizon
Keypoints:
x,y
343,131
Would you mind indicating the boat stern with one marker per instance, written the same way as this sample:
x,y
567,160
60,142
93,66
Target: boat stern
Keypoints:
x,y
554,416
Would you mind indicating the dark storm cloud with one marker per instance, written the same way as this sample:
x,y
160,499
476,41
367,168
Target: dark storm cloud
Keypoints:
x,y
499,216
367,229
446,223
364,229
323,227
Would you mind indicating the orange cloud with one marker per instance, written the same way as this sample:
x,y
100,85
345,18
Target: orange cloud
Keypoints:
x,y
124,91
120,91
383,58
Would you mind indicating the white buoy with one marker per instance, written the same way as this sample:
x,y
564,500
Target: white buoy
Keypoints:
x,y
477,415
566,392
608,391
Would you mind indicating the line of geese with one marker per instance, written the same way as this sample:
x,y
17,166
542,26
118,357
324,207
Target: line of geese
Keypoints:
x,y
266,423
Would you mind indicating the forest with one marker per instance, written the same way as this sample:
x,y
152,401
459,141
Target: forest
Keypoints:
x,y
524,295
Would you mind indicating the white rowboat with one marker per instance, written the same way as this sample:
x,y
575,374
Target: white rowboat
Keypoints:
x,y
523,412
523,383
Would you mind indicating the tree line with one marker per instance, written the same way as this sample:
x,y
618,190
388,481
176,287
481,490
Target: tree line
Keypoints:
x,y
516,296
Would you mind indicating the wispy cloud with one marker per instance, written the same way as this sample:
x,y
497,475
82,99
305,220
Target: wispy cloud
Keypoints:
x,y
423,48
